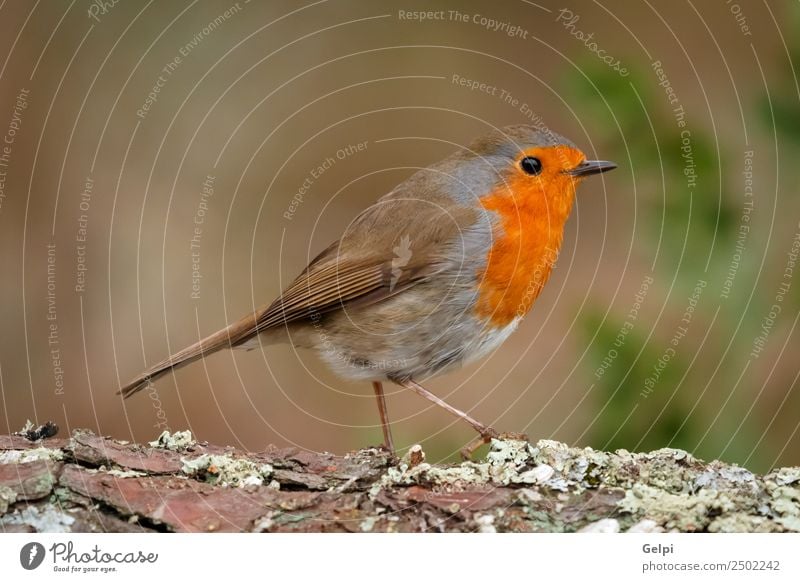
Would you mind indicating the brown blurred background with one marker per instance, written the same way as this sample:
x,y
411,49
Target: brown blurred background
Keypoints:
x,y
263,93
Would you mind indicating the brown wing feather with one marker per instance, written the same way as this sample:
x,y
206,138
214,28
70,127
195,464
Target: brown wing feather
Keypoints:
x,y
356,269
317,291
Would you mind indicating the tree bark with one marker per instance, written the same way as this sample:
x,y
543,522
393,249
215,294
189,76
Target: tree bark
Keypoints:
x,y
93,483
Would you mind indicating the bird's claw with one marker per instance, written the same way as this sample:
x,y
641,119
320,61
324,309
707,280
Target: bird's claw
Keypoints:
x,y
486,436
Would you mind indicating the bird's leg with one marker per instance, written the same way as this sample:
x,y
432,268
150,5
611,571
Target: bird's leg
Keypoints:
x,y
486,432
387,430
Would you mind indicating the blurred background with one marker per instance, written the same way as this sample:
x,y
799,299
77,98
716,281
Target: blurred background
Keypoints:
x,y
159,178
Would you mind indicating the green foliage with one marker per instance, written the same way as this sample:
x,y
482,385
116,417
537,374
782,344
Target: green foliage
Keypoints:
x,y
691,222
635,417
688,215
783,106
778,108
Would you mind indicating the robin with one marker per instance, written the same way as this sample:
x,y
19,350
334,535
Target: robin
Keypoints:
x,y
436,274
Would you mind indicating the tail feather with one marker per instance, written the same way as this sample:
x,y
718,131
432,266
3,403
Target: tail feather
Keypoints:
x,y
231,336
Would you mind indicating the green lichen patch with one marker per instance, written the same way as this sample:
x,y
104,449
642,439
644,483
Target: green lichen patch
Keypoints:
x,y
677,511
742,523
7,497
785,476
520,487
785,505
31,455
587,468
177,441
558,467
508,462
567,489
42,519
227,471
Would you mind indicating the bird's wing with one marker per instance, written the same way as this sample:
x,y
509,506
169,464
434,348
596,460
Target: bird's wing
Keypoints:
x,y
394,244
391,246
333,285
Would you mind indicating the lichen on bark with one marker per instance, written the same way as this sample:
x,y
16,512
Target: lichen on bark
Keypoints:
x,y
93,483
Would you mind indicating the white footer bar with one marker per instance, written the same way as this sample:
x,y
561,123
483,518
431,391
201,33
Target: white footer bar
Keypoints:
x,y
406,557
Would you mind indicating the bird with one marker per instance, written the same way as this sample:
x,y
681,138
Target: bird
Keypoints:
x,y
436,274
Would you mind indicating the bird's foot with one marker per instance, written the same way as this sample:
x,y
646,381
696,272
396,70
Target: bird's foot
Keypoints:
x,y
388,448
486,436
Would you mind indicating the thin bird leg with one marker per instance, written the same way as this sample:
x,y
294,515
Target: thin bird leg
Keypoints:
x,y
387,430
486,432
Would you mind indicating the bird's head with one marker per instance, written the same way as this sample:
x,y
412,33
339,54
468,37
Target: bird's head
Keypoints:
x,y
531,162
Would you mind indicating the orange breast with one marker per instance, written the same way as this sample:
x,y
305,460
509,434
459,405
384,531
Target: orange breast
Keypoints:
x,y
532,213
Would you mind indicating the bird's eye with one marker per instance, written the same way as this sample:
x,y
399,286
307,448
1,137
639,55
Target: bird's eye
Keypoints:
x,y
531,165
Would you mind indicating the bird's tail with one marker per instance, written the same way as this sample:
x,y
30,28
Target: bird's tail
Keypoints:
x,y
227,337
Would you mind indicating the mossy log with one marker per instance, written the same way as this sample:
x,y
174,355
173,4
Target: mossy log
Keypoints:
x,y
93,483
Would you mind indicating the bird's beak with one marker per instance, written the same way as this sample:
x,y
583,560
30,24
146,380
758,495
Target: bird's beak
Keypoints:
x,y
589,167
